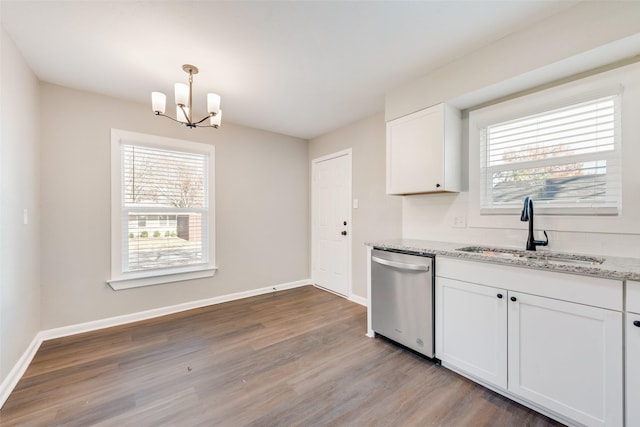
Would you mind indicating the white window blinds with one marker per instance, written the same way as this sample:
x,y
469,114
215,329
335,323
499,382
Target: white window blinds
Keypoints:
x,y
567,159
165,208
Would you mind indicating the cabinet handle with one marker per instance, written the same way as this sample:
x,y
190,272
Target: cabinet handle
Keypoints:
x,y
499,296
636,323
514,299
437,185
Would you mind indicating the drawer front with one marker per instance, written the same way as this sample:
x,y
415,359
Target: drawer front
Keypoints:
x,y
595,291
633,296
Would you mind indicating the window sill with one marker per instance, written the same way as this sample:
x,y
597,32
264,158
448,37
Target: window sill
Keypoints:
x,y
160,278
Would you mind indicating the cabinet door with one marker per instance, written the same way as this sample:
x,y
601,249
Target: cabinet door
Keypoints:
x,y
415,152
471,322
566,357
633,369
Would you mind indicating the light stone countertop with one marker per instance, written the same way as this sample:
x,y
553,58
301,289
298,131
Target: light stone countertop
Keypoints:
x,y
612,268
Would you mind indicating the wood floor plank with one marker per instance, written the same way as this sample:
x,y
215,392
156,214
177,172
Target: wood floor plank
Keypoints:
x,y
292,358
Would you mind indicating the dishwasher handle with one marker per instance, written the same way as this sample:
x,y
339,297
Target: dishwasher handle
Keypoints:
x,y
401,265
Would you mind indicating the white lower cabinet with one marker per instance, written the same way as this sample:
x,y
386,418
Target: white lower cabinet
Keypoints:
x,y
633,369
633,353
566,357
472,329
562,357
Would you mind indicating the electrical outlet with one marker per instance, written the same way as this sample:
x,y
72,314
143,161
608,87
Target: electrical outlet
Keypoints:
x,y
459,221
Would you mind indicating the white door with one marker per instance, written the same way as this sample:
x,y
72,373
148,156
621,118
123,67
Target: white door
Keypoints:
x,y
331,222
566,357
471,323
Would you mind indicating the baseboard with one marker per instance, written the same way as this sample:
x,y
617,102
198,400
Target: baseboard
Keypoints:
x,y
18,370
353,298
163,311
359,300
11,380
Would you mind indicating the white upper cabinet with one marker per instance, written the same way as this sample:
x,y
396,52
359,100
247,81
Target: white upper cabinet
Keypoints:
x,y
423,152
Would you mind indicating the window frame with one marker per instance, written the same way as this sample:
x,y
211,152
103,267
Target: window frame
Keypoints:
x,y
612,157
125,280
564,228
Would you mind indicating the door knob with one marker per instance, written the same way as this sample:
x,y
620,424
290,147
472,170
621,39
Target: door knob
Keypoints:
x,y
344,233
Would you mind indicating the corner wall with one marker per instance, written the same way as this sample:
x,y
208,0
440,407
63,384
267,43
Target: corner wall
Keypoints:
x,y
262,213
19,177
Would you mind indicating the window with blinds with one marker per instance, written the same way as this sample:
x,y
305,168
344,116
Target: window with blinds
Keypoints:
x,y
162,210
567,159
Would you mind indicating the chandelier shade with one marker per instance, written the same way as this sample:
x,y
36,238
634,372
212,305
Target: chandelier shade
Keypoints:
x,y
159,101
182,94
183,99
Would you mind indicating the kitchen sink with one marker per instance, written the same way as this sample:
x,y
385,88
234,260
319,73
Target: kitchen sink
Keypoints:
x,y
567,259
552,258
497,252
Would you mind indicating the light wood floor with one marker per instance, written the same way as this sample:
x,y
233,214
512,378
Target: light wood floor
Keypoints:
x,y
293,358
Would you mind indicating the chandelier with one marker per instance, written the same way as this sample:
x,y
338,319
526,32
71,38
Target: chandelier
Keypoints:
x,y
183,94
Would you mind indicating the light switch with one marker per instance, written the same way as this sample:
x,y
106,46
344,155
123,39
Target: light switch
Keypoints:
x,y
25,216
355,203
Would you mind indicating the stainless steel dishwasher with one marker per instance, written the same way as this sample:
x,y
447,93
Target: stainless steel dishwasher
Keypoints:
x,y
402,299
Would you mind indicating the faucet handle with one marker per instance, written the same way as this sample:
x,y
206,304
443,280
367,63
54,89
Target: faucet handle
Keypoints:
x,y
542,242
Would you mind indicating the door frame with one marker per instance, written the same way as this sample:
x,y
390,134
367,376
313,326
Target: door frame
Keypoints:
x,y
314,162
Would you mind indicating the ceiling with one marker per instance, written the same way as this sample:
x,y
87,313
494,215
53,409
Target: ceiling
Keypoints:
x,y
300,68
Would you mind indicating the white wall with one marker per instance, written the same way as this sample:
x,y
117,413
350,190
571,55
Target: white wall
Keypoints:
x,y
582,37
378,216
19,177
597,31
262,211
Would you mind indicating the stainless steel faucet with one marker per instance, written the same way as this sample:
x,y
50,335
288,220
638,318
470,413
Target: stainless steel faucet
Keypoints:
x,y
527,215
